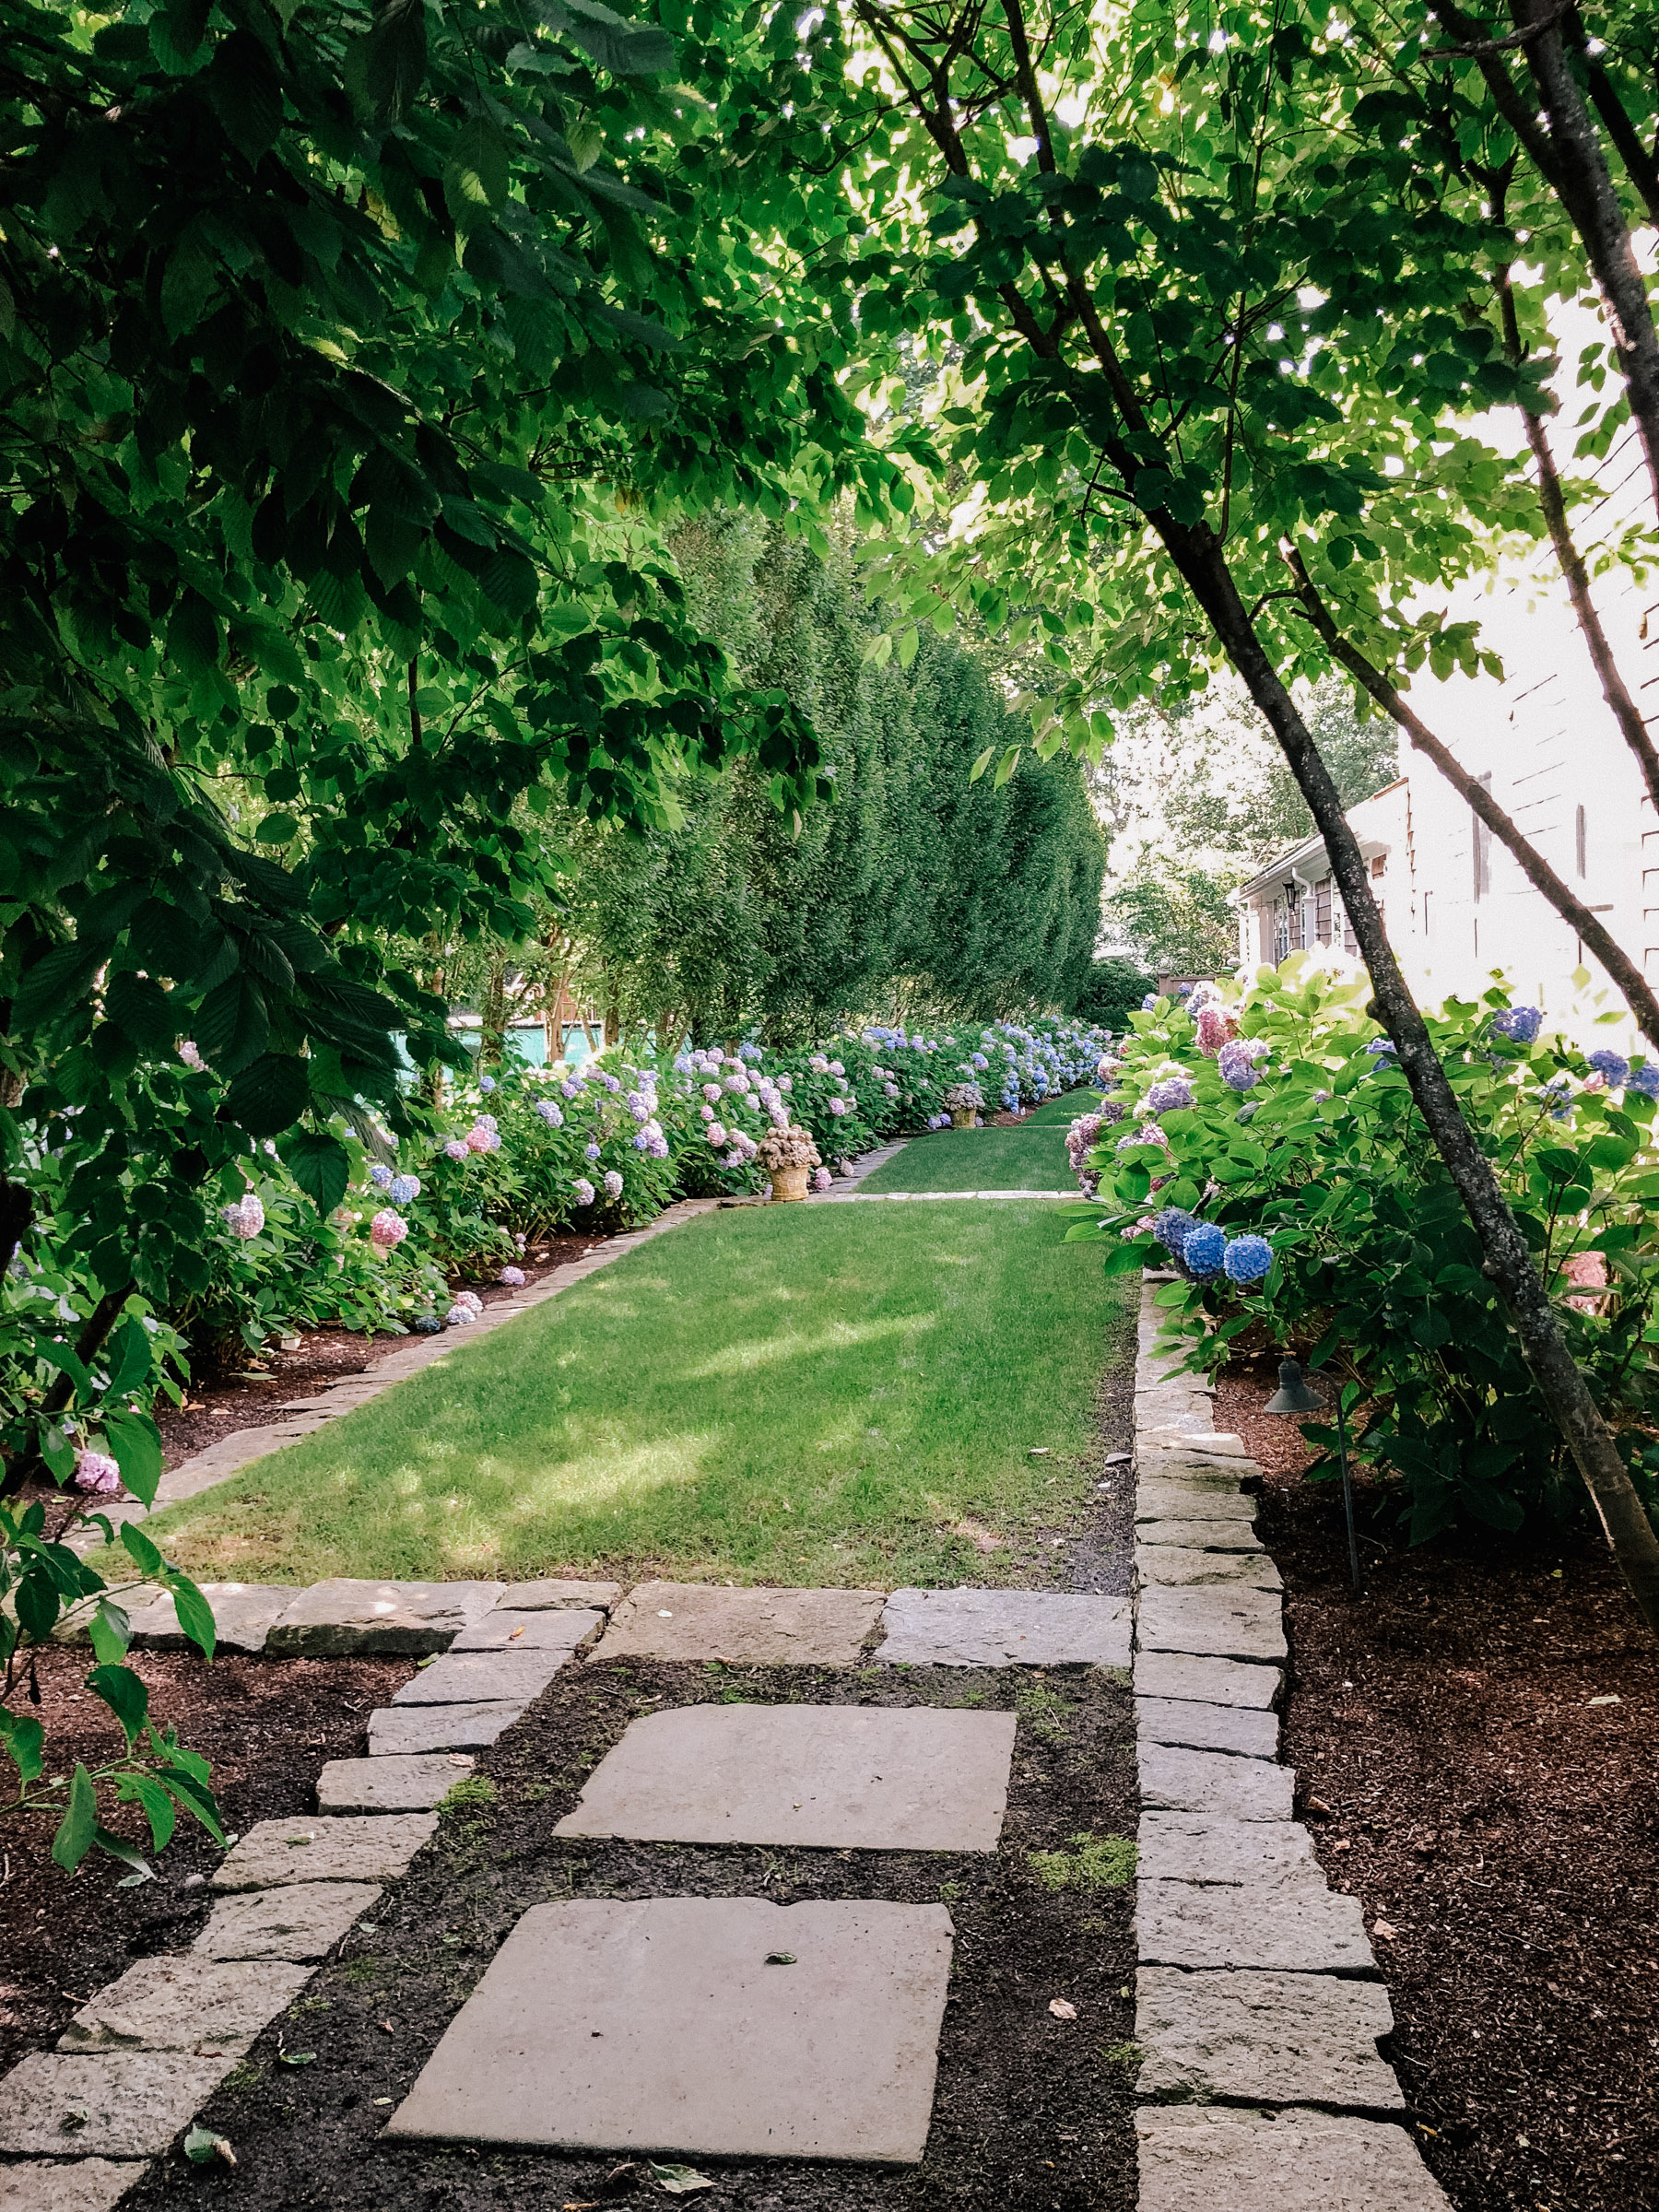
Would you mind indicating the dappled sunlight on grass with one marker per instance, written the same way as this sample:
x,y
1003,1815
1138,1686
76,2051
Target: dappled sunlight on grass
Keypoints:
x,y
845,1395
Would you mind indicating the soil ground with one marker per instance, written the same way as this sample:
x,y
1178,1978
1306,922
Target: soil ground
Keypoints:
x,y
1032,2110
1474,1741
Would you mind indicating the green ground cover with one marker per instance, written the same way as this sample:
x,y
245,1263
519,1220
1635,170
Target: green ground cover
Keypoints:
x,y
807,1395
1029,1157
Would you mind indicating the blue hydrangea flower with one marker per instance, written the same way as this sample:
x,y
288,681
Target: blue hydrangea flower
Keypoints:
x,y
380,1177
486,1083
1646,1079
1149,1002
549,1114
1204,1249
1519,1024
1247,1260
404,1188
1379,1045
1237,1069
1614,1066
1183,990
590,1151
1172,1228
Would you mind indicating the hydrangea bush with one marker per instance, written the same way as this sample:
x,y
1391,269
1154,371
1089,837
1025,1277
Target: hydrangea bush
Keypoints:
x,y
1289,1182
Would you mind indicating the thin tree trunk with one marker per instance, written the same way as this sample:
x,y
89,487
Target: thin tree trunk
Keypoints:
x,y
493,1021
1198,556
1596,937
1615,691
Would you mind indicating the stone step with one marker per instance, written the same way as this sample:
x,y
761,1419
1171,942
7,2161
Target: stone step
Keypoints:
x,y
747,1627
300,1921
1192,2158
1207,1681
118,2104
398,1730
1234,1728
177,2002
1263,2039
322,1848
1185,1567
549,1630
1004,1627
1219,1624
515,1676
410,1782
1177,1779
1297,1928
344,1616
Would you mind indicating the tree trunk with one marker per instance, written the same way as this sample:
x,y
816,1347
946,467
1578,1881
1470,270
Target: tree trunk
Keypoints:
x,y
492,1023
1198,555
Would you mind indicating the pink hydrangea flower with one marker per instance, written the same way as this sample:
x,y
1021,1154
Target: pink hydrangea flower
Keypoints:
x,y
470,1298
715,1132
246,1218
821,1179
454,1149
712,1092
97,1472
191,1056
387,1228
512,1277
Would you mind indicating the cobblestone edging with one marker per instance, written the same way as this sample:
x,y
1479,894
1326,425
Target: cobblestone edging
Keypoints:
x,y
79,2124
1258,2007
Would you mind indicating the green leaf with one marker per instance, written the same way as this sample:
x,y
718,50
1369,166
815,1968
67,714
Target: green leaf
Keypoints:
x,y
397,57
1007,765
625,49
25,1742
116,1847
125,1696
157,1805
197,1800
270,1096
110,1632
141,1551
136,1443
79,1824
320,1165
195,1614
678,2181
246,93
276,829
982,764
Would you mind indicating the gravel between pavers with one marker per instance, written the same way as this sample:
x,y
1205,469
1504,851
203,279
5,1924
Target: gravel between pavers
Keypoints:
x,y
1030,2111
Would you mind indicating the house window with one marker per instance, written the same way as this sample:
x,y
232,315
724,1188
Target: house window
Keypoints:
x,y
1321,910
1579,840
1483,849
1379,864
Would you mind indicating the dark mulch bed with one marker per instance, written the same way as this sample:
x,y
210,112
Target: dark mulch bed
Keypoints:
x,y
1499,1823
268,1725
216,1404
1030,2112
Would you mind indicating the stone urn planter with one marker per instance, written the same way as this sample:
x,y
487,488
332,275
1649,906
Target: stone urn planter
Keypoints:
x,y
961,1117
790,1183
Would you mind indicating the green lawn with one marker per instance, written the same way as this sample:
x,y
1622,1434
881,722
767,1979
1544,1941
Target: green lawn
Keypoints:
x,y
808,1394
1030,1158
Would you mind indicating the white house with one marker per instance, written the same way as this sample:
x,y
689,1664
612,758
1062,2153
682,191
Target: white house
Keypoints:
x,y
1456,907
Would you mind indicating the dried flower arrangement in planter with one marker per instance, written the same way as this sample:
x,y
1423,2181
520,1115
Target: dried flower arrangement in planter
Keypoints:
x,y
788,1156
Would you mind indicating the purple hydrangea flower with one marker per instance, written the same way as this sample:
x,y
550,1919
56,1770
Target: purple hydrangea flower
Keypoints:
x,y
1172,1228
1613,1066
97,1472
613,1183
1204,1249
458,1316
639,1105
590,1151
571,1089
549,1114
1519,1024
512,1277
1169,1095
1646,1079
1247,1260
380,1177
610,1082
1147,1005
486,1083
1236,1067
1380,1045
583,1190
454,1149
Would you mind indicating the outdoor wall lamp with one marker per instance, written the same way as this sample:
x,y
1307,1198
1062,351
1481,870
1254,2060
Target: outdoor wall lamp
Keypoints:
x,y
1294,1395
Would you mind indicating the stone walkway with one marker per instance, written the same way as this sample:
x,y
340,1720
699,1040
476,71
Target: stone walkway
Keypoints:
x,y
1258,2011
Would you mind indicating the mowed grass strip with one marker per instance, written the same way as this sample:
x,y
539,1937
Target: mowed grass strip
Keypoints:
x,y
1029,1157
797,1394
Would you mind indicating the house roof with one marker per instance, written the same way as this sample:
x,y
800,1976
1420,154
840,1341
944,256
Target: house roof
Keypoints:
x,y
1291,862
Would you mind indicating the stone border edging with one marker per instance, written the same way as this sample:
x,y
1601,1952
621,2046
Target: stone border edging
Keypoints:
x,y
1258,2007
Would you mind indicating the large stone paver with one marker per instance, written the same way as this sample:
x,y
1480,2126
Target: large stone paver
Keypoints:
x,y
549,1630
657,2025
511,1678
177,2002
1197,2159
1237,1728
1273,2039
859,1777
345,1615
1205,1499
1217,1443
1177,1779
312,1848
1219,1624
555,1595
67,2184
1188,1567
759,1628
1236,1535
1005,1627
121,2104
242,1615
398,1730
1209,1681
302,1921
1294,1927
410,1784
1215,1847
